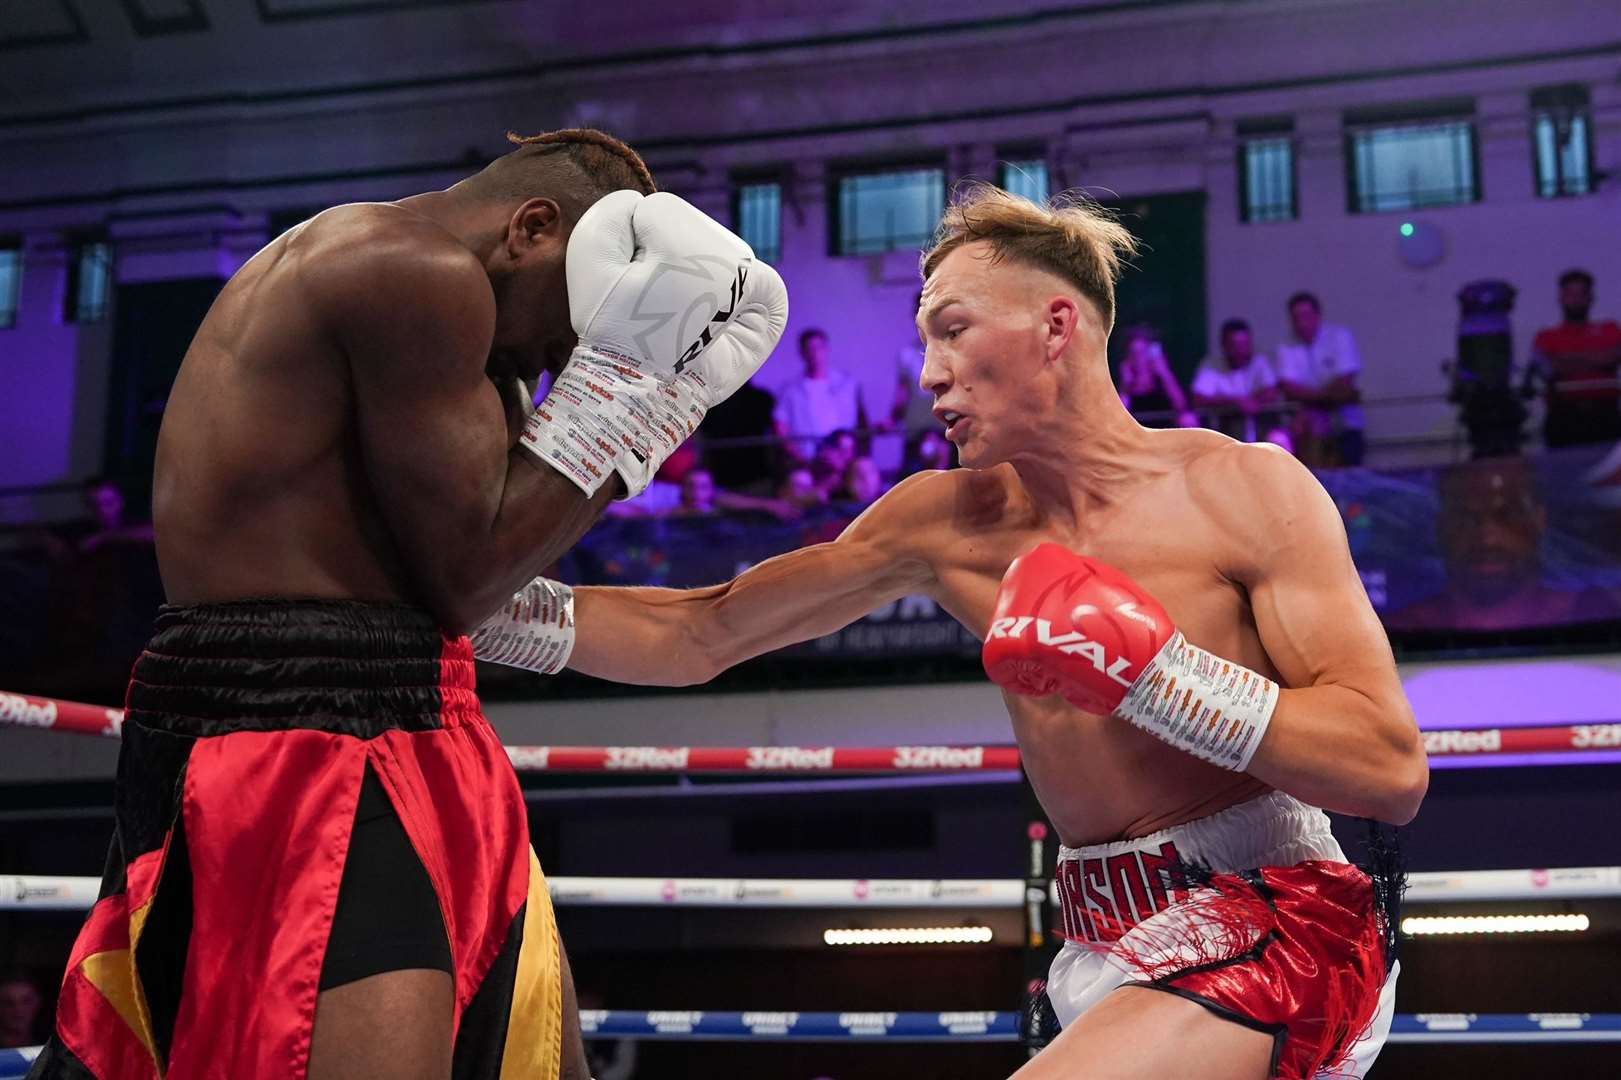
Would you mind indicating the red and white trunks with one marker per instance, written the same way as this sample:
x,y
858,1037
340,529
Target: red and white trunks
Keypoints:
x,y
1253,913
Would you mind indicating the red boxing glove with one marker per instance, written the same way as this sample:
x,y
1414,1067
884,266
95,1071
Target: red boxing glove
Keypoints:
x,y
1068,624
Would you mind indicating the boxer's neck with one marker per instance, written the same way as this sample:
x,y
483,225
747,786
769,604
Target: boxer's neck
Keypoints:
x,y
1090,450
471,221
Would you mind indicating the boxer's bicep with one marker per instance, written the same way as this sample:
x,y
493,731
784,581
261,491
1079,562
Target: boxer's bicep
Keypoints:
x,y
1310,609
430,423
1343,735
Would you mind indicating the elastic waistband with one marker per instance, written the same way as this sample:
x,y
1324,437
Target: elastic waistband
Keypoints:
x,y
343,665
1270,830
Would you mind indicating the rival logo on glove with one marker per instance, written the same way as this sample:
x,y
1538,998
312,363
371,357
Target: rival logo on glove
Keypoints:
x,y
1073,643
720,318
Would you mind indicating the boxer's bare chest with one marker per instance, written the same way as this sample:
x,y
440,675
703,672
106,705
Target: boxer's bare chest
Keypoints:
x,y
1098,777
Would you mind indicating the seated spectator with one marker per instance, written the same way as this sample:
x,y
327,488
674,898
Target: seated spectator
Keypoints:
x,y
697,494
748,414
663,495
19,1010
833,455
798,488
822,400
1236,385
862,484
929,450
1148,387
1318,368
1579,362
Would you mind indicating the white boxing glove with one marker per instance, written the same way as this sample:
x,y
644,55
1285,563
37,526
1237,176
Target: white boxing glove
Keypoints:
x,y
653,282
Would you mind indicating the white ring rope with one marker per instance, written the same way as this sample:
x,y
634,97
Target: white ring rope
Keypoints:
x,y
41,893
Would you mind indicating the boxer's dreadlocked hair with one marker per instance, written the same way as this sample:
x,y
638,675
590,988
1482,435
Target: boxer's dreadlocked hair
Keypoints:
x,y
575,166
1071,236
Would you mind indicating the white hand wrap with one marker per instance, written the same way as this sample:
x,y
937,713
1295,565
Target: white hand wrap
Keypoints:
x,y
603,416
1212,708
534,631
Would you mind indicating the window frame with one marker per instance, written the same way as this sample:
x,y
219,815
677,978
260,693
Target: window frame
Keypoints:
x,y
775,178
1417,115
1008,157
11,306
73,308
1576,99
1267,129
835,208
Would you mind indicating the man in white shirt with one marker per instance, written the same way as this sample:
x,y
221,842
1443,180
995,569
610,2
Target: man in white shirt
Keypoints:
x,y
1234,386
819,402
1318,368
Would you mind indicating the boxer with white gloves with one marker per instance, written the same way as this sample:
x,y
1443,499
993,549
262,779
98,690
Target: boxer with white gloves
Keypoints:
x,y
339,497
673,314
1190,662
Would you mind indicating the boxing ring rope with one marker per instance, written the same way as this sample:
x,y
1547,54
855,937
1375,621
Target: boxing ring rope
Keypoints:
x,y
44,893
29,892
26,710
968,1026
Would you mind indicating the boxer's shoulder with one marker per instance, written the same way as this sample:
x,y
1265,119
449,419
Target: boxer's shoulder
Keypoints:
x,y
376,269
403,248
1258,497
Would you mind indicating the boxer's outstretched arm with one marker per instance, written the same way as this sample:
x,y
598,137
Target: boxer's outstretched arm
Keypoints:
x,y
473,521
678,637
1343,736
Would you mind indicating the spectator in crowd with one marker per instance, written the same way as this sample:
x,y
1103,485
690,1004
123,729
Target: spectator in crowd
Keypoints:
x,y
104,592
663,495
912,411
863,482
748,414
697,494
822,400
1235,385
1490,528
929,450
19,1011
798,488
1579,361
1317,368
1148,387
833,456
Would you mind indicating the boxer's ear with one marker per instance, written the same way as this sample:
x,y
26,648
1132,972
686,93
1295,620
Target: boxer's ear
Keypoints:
x,y
535,224
1060,322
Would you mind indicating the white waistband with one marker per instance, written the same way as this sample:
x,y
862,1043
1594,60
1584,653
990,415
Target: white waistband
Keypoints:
x,y
1270,830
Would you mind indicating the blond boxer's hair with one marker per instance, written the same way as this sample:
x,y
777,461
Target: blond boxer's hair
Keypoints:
x,y
1071,236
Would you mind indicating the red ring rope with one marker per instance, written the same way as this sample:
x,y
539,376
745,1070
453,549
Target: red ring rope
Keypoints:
x,y
26,710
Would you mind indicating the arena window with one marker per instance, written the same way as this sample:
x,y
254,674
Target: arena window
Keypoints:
x,y
886,210
757,212
1562,138
1410,159
11,279
1026,176
1266,170
90,281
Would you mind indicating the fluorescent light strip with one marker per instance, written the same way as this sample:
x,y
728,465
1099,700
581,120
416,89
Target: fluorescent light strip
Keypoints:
x,y
1427,925
910,935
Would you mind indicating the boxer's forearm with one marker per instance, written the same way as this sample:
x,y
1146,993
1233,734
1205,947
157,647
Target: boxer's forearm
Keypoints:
x,y
1345,750
641,636
678,637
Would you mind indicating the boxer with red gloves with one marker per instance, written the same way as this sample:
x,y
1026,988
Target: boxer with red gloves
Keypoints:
x,y
1189,660
1066,624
